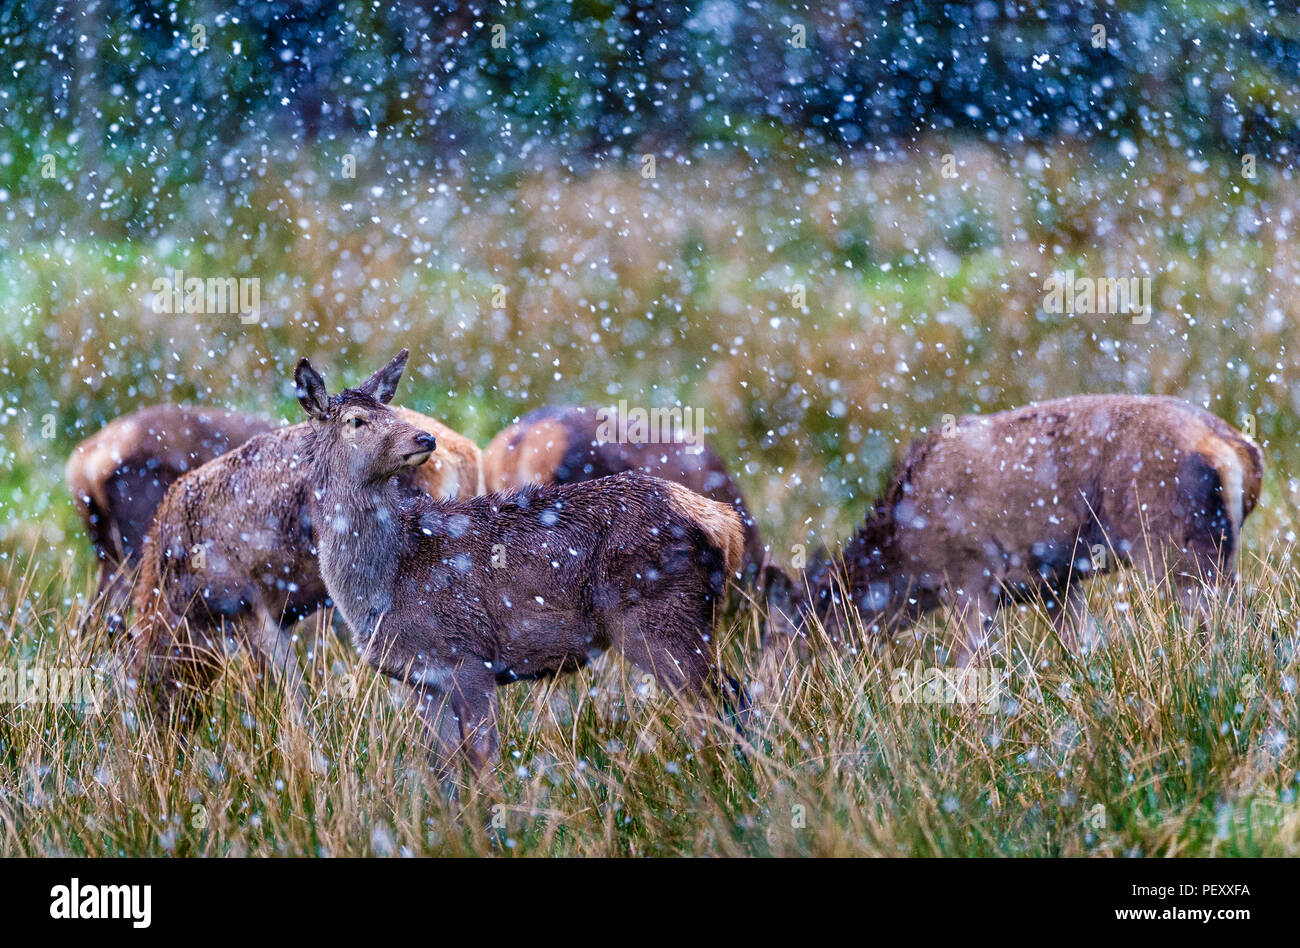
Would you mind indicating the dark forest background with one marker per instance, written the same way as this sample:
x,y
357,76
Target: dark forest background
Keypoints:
x,y
140,109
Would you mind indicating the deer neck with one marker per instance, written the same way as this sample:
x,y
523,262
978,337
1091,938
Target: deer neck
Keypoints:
x,y
870,572
359,542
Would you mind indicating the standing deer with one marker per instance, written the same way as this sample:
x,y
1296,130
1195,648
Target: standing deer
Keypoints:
x,y
564,444
1023,504
232,552
458,597
118,476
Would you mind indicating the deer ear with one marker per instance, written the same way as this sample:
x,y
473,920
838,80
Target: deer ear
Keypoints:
x,y
383,383
312,394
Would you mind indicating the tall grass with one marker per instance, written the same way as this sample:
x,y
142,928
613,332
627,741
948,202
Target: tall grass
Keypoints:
x,y
923,297
1159,742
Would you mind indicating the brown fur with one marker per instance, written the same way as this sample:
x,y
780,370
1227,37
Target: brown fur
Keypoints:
x,y
523,455
247,511
1014,506
119,475
720,523
457,597
562,445
456,467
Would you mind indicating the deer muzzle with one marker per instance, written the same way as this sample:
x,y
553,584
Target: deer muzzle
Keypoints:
x,y
424,446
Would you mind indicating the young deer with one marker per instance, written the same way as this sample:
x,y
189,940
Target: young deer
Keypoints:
x,y
1023,504
458,597
119,475
231,552
564,444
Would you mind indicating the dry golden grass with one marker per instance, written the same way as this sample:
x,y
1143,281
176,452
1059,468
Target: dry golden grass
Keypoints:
x,y
1158,743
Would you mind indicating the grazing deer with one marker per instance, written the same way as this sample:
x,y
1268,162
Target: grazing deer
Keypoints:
x,y
1023,504
562,444
458,597
118,476
231,551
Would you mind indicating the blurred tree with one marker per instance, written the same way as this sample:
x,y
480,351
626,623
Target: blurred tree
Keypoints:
x,y
123,90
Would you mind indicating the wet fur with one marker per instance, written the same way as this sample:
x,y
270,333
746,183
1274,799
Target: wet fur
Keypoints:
x,y
1010,508
119,475
456,598
248,512
560,444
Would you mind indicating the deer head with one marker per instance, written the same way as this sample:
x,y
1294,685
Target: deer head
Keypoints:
x,y
359,440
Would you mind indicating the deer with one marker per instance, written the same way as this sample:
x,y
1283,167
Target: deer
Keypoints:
x,y
565,444
119,475
232,554
458,597
1023,505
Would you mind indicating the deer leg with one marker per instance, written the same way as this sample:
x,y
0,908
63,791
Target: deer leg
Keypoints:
x,y
456,703
461,717
474,702
1235,603
976,609
117,597
110,601
108,563
656,645
1197,573
442,730
681,655
173,668
1077,629
1198,608
272,647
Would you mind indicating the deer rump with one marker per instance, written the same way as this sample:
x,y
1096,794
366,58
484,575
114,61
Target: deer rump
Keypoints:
x,y
563,444
119,476
232,539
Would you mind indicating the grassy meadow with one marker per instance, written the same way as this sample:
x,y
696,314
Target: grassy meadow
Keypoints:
x,y
817,315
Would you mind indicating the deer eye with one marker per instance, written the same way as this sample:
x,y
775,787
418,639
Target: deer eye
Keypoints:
x,y
355,422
